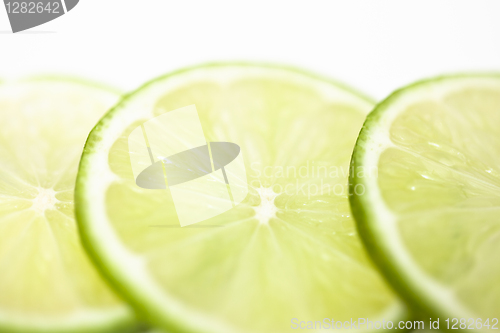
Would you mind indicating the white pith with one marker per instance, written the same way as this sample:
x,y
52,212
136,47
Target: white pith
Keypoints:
x,y
82,319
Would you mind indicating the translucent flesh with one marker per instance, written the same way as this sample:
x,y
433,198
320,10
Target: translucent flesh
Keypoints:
x,y
442,180
277,256
45,275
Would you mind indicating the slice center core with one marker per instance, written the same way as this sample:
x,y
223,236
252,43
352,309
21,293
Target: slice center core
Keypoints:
x,y
46,199
267,209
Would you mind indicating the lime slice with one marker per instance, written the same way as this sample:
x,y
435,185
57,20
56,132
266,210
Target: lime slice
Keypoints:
x,y
275,258
429,216
47,282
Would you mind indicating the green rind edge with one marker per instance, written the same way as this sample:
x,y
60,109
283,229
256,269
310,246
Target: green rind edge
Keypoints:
x,y
70,79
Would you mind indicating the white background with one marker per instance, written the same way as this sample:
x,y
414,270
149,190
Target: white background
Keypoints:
x,y
375,46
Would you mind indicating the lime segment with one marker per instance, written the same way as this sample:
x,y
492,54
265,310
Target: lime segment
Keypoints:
x,y
289,250
47,282
430,218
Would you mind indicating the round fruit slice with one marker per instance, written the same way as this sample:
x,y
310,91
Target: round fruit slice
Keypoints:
x,y
429,216
47,282
286,254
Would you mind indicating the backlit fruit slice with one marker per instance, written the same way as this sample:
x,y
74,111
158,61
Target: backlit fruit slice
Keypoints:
x,y
272,258
431,218
47,282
